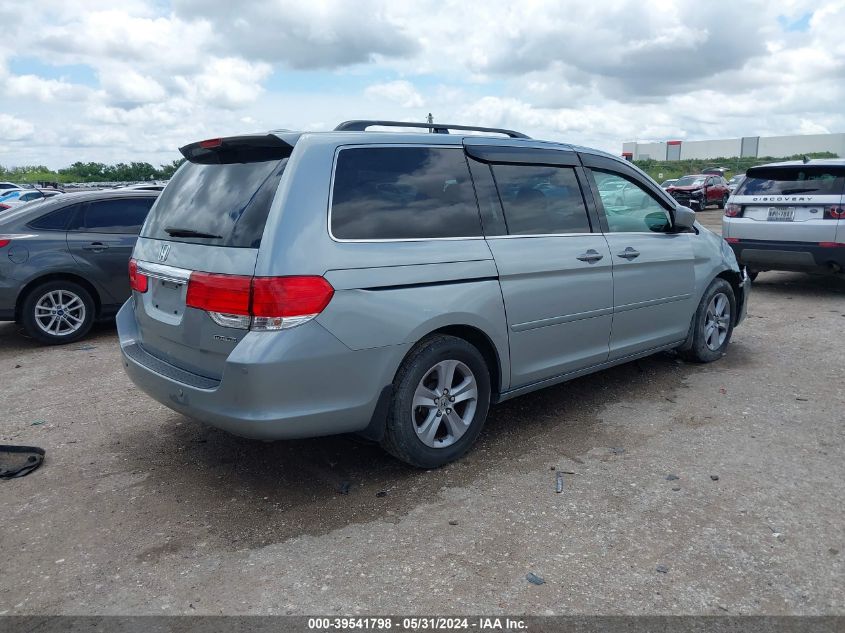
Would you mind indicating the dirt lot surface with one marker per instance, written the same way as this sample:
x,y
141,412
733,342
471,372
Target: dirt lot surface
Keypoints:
x,y
140,510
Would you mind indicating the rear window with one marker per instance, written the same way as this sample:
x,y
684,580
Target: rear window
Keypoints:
x,y
403,193
56,220
229,201
789,181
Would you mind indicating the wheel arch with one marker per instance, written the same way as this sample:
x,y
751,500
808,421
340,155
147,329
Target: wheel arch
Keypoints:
x,y
57,276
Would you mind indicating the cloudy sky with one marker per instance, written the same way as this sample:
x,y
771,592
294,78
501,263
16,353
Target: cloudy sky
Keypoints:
x,y
113,81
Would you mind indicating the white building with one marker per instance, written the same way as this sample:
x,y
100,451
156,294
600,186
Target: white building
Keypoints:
x,y
747,146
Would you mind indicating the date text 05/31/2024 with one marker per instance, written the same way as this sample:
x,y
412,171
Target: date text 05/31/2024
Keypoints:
x,y
416,623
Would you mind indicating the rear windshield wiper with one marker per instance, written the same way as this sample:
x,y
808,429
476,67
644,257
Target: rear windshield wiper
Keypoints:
x,y
175,231
790,192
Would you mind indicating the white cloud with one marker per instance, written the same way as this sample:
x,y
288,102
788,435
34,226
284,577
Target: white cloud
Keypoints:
x,y
159,75
400,92
14,129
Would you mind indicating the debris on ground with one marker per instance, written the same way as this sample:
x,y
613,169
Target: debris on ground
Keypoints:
x,y
453,521
802,399
616,450
381,493
672,477
84,348
714,477
663,569
344,488
559,482
534,579
38,422
18,461
676,488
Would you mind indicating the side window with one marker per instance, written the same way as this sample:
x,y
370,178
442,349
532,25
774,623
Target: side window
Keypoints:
x,y
540,200
124,215
629,208
492,216
391,193
56,220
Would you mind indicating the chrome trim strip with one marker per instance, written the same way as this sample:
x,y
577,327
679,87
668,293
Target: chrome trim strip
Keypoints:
x,y
162,271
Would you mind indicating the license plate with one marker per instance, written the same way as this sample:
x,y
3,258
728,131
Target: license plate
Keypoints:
x,y
781,214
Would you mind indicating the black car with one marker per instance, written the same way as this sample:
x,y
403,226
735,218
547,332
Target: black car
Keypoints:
x,y
64,261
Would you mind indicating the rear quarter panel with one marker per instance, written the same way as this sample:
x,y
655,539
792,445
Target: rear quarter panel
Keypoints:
x,y
387,293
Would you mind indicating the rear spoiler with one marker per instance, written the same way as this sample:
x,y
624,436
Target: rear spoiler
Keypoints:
x,y
253,148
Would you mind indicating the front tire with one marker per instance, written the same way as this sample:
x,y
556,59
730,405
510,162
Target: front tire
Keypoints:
x,y
723,203
441,396
57,312
713,323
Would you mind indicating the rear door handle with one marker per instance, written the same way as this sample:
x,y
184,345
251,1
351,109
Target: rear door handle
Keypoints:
x,y
590,256
97,247
629,254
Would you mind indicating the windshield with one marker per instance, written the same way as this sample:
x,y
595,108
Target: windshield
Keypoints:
x,y
219,205
808,179
690,181
735,180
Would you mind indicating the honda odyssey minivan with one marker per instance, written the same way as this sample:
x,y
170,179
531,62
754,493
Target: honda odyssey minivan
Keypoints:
x,y
396,284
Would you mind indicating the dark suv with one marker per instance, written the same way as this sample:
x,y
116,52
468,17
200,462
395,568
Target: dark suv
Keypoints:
x,y
63,261
697,191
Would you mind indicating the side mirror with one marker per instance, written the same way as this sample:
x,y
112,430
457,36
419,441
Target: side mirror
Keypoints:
x,y
684,219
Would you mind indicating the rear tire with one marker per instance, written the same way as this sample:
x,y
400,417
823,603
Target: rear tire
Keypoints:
x,y
712,324
57,312
441,396
724,202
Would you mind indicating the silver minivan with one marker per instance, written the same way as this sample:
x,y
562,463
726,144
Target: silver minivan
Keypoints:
x,y
396,284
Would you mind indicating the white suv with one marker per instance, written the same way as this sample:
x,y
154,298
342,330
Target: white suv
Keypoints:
x,y
789,216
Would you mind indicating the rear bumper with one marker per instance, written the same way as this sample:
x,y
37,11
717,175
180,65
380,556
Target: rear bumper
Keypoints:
x,y
291,384
782,255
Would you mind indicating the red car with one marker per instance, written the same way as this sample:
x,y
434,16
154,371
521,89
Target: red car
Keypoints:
x,y
697,191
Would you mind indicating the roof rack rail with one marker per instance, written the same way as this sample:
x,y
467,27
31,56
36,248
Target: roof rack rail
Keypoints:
x,y
437,128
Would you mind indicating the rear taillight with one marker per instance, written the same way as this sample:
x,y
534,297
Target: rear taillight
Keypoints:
x,y
4,242
834,213
733,210
732,240
831,244
258,303
227,294
3,207
137,281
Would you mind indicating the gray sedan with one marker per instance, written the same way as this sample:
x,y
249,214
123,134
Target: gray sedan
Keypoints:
x,y
63,261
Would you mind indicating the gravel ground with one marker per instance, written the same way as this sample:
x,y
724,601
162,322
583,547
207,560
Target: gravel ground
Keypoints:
x,y
138,510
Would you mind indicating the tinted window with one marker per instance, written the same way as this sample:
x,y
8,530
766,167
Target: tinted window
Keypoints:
x,y
125,215
629,207
809,179
540,200
492,216
32,195
230,201
55,221
403,193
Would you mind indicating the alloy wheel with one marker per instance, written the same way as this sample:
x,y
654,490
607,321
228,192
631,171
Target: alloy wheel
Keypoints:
x,y
444,403
717,321
60,312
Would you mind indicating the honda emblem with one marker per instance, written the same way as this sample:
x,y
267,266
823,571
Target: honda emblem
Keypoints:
x,y
163,252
